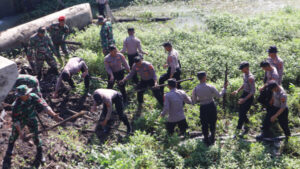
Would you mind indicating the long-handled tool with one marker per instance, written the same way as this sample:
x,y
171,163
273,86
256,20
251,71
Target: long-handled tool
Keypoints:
x,y
162,85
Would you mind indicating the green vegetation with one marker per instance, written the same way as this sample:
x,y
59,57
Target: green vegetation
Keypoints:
x,y
223,39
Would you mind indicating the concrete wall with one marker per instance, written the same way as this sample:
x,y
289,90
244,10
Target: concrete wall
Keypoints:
x,y
8,76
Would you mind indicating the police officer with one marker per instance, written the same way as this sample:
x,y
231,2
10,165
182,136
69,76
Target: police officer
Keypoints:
x,y
279,110
246,98
30,81
41,46
106,34
205,93
74,66
108,97
114,64
148,79
24,114
276,61
59,32
132,46
172,65
173,106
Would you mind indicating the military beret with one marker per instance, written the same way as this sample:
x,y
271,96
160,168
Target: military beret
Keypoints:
x,y
243,65
61,18
272,49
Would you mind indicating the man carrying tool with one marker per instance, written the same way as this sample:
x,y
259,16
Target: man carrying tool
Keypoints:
x,y
246,98
132,46
108,97
30,81
106,34
59,32
278,110
114,65
24,113
205,93
148,79
172,65
101,6
41,46
173,106
74,66
276,61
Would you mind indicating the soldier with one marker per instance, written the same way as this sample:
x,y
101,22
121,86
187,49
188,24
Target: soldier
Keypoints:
x,y
106,34
114,65
132,45
40,45
109,97
205,93
59,32
74,66
173,106
24,113
172,65
276,62
30,81
148,79
246,98
101,6
279,110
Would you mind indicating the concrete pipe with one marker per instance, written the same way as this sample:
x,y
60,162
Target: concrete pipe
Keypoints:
x,y
77,16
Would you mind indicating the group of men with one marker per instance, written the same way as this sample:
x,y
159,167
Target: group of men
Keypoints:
x,y
30,100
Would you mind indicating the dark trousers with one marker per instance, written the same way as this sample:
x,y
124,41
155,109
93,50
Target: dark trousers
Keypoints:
x,y
244,108
101,8
131,62
86,81
166,76
142,86
282,119
208,118
118,102
182,125
118,76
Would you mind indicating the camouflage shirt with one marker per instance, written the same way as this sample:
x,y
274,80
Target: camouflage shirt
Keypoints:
x,y
30,81
58,33
106,35
24,110
42,45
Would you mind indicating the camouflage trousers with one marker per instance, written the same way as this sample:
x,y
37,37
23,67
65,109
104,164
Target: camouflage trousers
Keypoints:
x,y
40,58
32,124
63,47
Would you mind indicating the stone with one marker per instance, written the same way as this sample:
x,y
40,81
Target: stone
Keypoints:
x,y
77,16
8,76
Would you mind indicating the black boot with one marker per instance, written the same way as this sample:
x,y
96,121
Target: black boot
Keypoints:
x,y
206,140
7,158
246,130
39,156
260,137
212,139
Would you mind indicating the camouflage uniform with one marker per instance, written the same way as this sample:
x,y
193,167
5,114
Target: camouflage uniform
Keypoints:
x,y
58,35
29,81
106,35
24,113
42,46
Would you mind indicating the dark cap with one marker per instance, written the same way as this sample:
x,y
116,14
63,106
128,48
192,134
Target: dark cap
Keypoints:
x,y
130,29
101,18
172,82
167,44
264,64
112,47
243,65
98,99
41,30
272,49
137,59
201,74
23,90
272,84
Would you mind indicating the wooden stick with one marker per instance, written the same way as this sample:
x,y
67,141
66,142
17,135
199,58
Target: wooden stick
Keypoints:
x,y
56,125
85,116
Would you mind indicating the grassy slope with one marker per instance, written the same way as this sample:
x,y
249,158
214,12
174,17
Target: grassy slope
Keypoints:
x,y
222,39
